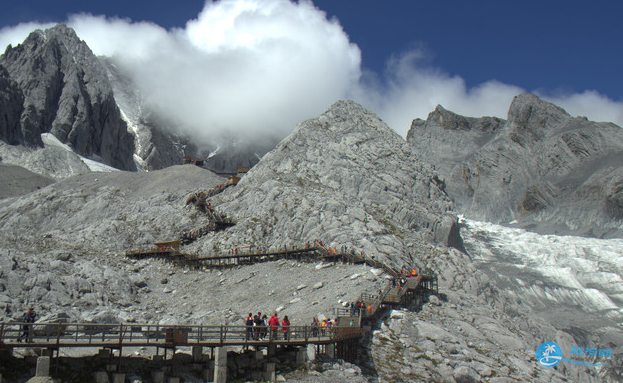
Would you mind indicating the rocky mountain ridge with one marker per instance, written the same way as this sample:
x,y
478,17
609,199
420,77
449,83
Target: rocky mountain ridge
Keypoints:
x,y
57,85
344,178
542,168
53,83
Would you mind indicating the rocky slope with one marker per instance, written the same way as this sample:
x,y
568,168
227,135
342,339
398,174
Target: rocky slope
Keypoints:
x,y
541,167
18,181
62,89
347,179
344,178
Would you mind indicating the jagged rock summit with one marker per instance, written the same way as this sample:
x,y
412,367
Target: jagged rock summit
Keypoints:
x,y
347,179
53,82
543,168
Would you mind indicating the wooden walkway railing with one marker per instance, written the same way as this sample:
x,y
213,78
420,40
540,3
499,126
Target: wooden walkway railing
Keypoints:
x,y
248,256
55,335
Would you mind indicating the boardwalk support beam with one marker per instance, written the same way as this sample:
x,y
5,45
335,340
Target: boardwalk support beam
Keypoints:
x,y
220,365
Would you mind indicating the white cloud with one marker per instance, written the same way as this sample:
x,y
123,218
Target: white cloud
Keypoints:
x,y
261,66
17,34
590,104
413,88
249,66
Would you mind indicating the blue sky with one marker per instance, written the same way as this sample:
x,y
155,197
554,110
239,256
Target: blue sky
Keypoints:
x,y
566,51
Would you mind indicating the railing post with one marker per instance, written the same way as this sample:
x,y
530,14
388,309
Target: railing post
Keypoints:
x,y
58,337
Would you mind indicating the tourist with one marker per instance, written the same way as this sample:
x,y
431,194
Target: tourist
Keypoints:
x,y
258,323
29,317
264,330
314,326
250,323
285,325
273,322
329,326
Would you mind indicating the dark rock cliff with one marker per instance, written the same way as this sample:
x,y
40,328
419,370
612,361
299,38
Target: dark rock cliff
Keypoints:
x,y
59,86
11,106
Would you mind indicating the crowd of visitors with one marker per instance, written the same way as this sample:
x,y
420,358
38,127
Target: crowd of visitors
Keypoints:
x,y
258,327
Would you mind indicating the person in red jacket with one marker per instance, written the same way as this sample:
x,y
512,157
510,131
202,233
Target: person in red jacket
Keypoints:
x,y
285,325
273,322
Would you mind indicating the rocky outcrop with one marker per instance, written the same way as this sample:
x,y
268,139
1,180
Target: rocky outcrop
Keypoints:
x,y
541,167
234,152
64,90
155,148
455,137
347,179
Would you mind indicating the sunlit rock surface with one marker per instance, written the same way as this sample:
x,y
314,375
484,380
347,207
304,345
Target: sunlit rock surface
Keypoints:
x,y
548,171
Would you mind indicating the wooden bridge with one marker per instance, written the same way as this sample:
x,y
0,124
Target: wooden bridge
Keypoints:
x,y
57,335
347,330
393,294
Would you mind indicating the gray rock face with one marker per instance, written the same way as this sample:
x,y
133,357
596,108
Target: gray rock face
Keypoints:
x,y
154,146
455,137
65,91
11,106
347,179
240,151
50,161
549,171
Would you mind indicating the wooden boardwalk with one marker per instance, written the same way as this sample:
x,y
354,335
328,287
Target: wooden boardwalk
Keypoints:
x,y
343,335
57,335
247,257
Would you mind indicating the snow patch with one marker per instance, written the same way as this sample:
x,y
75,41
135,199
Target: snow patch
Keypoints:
x,y
49,140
